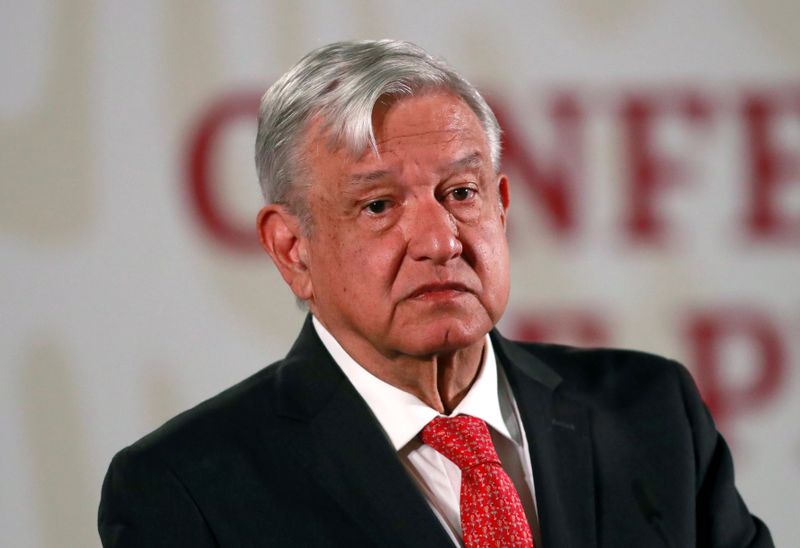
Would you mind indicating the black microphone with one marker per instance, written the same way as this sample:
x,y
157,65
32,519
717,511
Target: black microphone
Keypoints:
x,y
649,511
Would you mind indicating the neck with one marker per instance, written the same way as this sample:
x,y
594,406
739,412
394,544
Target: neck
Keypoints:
x,y
440,380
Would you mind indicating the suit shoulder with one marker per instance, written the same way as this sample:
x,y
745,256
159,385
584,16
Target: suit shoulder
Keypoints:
x,y
608,369
569,357
225,416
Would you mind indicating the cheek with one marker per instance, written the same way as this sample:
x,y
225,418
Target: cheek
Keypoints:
x,y
369,265
492,265
491,248
383,252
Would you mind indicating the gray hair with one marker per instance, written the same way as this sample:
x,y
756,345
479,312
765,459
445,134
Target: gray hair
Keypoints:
x,y
342,82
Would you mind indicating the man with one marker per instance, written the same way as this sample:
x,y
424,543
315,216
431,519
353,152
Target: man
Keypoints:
x,y
399,417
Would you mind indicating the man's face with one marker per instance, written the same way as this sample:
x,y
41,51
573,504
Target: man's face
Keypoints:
x,y
407,254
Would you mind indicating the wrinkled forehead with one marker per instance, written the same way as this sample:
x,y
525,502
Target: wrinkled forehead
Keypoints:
x,y
421,142
430,116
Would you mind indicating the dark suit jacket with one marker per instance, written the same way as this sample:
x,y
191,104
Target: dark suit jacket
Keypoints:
x,y
623,451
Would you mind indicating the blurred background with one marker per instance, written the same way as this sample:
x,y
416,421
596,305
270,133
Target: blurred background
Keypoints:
x,y
654,151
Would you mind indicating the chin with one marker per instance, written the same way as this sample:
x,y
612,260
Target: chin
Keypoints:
x,y
449,336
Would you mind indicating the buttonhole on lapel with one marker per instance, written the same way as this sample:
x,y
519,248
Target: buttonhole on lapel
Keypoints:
x,y
562,424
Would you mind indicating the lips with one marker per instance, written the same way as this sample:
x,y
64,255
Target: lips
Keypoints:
x,y
438,288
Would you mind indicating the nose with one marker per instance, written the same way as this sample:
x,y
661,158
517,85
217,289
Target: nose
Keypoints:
x,y
433,234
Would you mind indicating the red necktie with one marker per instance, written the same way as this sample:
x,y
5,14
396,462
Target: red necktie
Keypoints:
x,y
491,512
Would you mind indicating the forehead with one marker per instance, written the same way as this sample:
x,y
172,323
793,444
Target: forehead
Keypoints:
x,y
434,128
430,117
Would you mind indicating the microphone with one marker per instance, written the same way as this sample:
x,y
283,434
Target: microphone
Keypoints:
x,y
645,501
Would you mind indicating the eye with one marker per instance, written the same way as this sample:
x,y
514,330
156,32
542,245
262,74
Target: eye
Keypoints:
x,y
461,194
376,207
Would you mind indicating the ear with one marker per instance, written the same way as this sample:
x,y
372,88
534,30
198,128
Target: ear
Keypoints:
x,y
283,239
505,199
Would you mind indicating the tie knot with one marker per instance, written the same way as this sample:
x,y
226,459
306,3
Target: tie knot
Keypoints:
x,y
463,439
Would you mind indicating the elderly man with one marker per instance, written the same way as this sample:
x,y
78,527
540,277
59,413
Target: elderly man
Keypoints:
x,y
400,417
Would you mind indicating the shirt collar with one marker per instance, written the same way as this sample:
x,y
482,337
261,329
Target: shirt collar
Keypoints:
x,y
401,414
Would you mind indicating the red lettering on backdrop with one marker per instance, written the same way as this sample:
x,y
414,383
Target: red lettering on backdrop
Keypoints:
x,y
554,183
649,170
203,187
770,166
578,327
708,332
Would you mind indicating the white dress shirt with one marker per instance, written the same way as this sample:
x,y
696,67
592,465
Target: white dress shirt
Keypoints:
x,y
403,416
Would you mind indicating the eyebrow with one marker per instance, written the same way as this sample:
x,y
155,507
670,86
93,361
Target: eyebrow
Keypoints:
x,y
470,161
370,176
473,160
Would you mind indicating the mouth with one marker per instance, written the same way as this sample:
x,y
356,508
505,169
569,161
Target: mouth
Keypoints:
x,y
439,291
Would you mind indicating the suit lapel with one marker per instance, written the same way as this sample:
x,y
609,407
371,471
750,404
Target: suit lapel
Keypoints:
x,y
344,448
560,443
338,440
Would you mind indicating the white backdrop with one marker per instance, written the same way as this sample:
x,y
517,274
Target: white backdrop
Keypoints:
x,y
654,149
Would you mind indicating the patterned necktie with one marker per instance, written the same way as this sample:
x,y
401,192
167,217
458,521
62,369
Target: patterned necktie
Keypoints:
x,y
491,512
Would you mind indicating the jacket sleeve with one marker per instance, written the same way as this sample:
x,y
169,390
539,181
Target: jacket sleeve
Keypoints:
x,y
722,516
143,503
